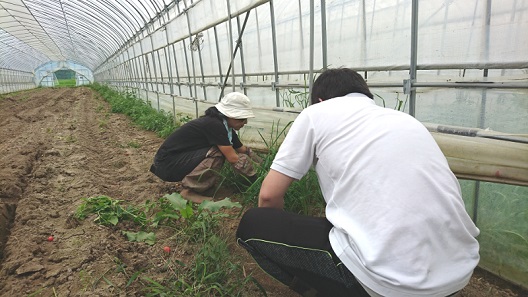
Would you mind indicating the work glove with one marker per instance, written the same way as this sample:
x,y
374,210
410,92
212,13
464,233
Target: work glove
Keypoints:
x,y
254,157
244,165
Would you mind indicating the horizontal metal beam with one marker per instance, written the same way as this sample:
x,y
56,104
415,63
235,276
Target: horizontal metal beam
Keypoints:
x,y
485,85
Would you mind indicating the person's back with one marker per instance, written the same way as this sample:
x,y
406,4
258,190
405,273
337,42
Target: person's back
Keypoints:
x,y
399,221
394,213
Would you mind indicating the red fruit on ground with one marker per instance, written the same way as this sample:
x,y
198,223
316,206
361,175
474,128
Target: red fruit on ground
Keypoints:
x,y
50,238
166,249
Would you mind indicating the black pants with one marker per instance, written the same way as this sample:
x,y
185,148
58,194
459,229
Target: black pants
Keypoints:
x,y
173,168
295,250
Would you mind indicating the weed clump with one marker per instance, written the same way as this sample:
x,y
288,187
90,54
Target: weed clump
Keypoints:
x,y
141,113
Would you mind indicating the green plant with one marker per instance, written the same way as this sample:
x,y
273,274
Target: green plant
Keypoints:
x,y
103,124
67,82
400,104
109,211
141,236
183,118
100,108
303,196
196,221
293,98
211,273
71,139
141,113
133,144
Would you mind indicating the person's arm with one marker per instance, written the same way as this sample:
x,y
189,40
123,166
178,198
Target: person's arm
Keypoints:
x,y
229,153
243,150
273,189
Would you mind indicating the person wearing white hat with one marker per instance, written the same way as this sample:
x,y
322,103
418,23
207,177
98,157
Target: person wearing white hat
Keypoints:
x,y
196,151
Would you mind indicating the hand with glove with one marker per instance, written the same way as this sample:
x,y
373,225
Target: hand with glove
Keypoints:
x,y
244,165
254,157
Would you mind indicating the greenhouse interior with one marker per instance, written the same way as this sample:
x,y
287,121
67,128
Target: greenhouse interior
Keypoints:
x,y
459,67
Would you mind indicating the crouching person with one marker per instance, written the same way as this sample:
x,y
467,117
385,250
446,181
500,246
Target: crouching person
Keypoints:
x,y
196,151
395,222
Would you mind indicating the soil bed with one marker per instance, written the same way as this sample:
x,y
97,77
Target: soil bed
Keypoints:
x,y
61,145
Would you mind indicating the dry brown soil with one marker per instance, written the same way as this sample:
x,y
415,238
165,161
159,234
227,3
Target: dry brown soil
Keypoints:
x,y
60,145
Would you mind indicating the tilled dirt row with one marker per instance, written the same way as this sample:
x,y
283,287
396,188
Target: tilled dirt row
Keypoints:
x,y
58,146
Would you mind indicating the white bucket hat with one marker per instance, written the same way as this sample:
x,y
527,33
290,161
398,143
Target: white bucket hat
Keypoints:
x,y
236,106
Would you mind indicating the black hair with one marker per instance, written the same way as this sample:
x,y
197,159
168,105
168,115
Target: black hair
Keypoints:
x,y
338,82
213,112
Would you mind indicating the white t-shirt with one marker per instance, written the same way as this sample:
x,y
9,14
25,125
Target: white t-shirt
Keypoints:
x,y
400,225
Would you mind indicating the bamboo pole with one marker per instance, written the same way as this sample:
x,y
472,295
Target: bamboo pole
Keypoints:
x,y
485,159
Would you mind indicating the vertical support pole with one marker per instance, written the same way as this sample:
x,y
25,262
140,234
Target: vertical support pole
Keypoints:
x,y
171,75
231,50
145,61
166,49
482,116
171,78
188,70
161,69
176,68
275,60
128,70
176,59
137,65
202,73
323,37
414,58
155,72
312,45
219,61
234,55
243,67
364,33
189,48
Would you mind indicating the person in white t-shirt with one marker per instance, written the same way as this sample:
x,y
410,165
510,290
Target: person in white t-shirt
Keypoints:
x,y
395,223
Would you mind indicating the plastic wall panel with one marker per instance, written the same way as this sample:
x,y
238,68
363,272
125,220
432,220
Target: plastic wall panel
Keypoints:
x,y
163,70
159,38
208,52
257,39
499,110
178,28
130,52
367,36
501,218
456,32
171,67
206,13
224,48
293,37
137,49
239,6
12,81
146,44
181,60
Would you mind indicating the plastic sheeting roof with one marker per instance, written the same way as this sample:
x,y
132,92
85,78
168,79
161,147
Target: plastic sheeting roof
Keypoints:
x,y
34,32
